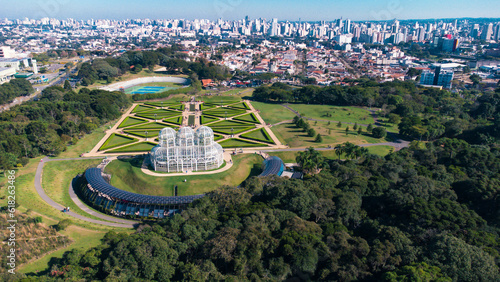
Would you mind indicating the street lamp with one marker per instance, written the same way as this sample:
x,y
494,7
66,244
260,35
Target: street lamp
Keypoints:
x,y
155,118
162,105
146,135
232,132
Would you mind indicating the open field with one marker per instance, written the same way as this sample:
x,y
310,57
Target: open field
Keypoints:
x,y
334,113
289,157
273,113
56,179
259,135
130,121
289,134
127,175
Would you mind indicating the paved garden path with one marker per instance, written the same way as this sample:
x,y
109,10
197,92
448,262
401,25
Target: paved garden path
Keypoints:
x,y
39,189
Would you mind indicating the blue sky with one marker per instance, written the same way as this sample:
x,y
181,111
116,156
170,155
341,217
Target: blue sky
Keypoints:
x,y
237,9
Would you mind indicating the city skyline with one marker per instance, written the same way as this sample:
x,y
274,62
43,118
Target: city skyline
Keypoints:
x,y
237,9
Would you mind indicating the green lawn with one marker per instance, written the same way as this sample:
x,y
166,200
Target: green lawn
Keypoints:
x,y
206,106
177,107
273,113
141,108
57,177
241,105
159,114
240,143
388,126
129,121
334,113
142,133
259,135
151,126
207,119
248,118
175,120
224,112
116,140
192,107
289,157
218,100
127,175
295,137
138,147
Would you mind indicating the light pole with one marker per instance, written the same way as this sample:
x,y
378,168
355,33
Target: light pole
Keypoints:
x,y
162,105
232,132
146,135
155,118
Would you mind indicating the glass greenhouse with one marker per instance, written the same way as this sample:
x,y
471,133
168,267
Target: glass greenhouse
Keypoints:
x,y
186,150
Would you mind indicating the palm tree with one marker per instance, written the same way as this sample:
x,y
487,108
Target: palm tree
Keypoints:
x,y
339,150
311,161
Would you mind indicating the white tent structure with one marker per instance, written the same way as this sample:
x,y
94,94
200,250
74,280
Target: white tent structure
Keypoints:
x,y
186,150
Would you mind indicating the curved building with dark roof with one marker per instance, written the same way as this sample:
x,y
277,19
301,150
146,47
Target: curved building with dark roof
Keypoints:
x,y
273,166
110,199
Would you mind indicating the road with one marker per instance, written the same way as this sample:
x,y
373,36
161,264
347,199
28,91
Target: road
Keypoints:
x,y
39,189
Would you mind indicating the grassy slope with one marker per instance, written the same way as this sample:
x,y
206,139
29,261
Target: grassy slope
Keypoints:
x,y
86,144
289,157
289,134
129,177
344,114
273,113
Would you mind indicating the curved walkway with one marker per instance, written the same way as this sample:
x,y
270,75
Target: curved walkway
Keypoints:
x,y
39,189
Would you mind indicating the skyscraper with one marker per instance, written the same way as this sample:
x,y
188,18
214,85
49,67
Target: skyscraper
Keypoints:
x,y
487,32
347,26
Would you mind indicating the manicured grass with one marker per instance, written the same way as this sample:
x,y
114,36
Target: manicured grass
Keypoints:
x,y
259,135
135,148
129,121
164,104
142,133
224,112
381,150
206,106
151,126
295,137
218,137
225,126
141,108
343,114
57,177
207,119
192,107
241,105
248,118
289,157
273,113
230,123
159,114
127,175
116,140
240,143
191,120
180,107
175,120
218,100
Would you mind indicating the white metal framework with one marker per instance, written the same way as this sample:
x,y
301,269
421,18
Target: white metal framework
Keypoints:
x,y
186,150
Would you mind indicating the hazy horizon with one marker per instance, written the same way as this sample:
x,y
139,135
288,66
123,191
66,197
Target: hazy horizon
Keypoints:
x,y
292,10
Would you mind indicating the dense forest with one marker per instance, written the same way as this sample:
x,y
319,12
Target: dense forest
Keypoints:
x,y
15,88
425,213
135,61
422,113
58,119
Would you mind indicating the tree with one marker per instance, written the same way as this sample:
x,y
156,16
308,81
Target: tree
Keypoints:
x,y
476,79
67,85
318,139
379,132
311,161
369,128
360,130
347,130
339,125
311,132
394,118
355,127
